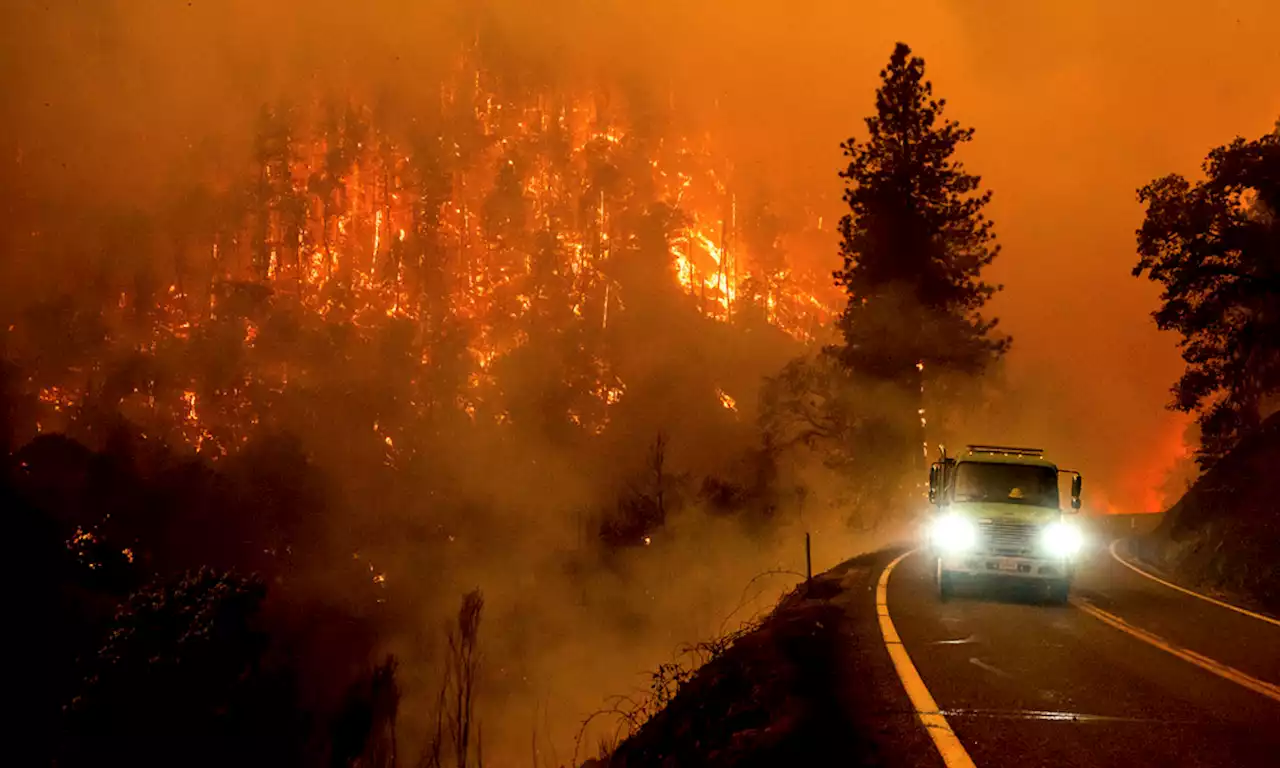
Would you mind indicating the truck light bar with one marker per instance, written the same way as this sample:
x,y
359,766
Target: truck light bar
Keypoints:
x,y
1036,452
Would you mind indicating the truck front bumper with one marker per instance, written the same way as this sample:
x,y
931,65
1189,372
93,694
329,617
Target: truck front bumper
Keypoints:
x,y
981,564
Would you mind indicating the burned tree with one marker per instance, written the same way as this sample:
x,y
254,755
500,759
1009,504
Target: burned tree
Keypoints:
x,y
455,715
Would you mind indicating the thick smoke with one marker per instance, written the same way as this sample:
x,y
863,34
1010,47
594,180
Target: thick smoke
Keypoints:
x,y
1076,105
114,105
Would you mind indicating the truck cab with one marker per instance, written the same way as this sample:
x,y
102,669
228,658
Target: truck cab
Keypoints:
x,y
997,514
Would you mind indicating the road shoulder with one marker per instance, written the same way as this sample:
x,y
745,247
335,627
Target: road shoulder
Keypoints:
x,y
813,685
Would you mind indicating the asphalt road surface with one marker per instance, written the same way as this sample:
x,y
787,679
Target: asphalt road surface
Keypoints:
x,y
1025,683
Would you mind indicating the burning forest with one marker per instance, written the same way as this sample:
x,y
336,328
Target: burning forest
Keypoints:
x,y
502,326
395,383
500,219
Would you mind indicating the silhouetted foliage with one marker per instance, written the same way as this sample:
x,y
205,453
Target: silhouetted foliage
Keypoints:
x,y
455,717
915,230
199,667
54,618
8,409
649,499
179,680
365,729
1214,246
914,242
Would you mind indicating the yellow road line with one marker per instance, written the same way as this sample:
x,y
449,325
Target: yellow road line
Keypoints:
x,y
1269,690
1184,590
948,744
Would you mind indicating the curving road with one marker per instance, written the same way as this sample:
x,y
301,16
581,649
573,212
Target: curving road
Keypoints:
x,y
1131,673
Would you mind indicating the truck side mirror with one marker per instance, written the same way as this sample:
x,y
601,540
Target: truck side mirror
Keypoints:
x,y
933,484
1076,484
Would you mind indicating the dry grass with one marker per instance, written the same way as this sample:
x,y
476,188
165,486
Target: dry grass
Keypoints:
x,y
743,694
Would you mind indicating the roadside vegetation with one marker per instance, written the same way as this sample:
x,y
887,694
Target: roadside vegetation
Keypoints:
x,y
1213,245
768,693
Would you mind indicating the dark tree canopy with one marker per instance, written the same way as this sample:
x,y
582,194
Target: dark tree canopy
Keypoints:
x,y
915,240
178,681
1214,246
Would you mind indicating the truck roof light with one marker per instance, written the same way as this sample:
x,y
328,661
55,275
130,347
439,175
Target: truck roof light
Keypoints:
x,y
1006,449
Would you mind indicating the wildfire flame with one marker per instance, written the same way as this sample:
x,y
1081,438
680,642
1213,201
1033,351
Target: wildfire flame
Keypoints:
x,y
480,228
726,401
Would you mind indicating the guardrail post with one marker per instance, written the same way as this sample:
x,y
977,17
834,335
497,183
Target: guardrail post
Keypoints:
x,y
808,560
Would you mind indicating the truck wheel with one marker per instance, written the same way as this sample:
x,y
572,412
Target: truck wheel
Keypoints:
x,y
946,585
1059,592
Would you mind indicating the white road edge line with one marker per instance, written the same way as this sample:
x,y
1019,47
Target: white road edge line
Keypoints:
x,y
1270,690
1184,590
948,744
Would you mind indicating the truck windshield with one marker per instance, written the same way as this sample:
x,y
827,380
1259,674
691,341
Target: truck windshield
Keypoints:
x,y
1007,484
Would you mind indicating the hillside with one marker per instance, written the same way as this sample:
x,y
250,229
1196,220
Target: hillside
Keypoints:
x,y
1224,533
813,681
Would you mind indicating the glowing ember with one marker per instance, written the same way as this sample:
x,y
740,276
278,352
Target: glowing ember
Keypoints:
x,y
612,394
60,400
725,400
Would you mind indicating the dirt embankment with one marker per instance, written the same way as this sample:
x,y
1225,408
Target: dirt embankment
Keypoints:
x,y
812,683
1224,533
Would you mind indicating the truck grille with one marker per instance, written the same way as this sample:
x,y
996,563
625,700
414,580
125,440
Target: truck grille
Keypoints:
x,y
1006,538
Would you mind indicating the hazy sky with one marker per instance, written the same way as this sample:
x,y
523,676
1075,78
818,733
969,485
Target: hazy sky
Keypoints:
x,y
1076,104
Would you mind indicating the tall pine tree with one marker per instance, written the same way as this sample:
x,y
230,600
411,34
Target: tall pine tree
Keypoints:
x,y
914,245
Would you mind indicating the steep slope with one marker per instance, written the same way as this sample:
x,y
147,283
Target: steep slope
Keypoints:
x,y
1224,533
811,685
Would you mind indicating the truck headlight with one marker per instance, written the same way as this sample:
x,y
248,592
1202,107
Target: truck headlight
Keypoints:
x,y
954,533
1062,539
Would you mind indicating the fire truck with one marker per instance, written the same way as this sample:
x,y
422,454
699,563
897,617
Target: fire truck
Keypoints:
x,y
997,516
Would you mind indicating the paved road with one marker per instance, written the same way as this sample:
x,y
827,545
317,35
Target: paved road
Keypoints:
x,y
1027,684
